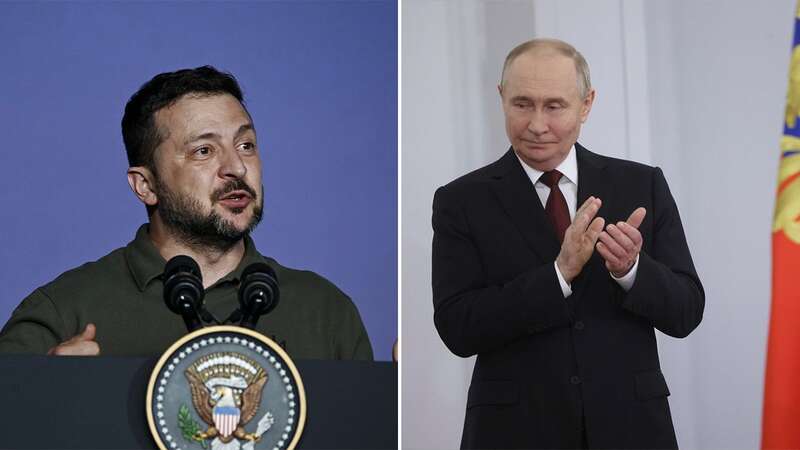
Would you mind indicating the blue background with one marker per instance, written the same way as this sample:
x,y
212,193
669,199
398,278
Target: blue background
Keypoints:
x,y
319,78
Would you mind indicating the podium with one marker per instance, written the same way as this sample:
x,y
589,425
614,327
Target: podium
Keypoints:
x,y
99,402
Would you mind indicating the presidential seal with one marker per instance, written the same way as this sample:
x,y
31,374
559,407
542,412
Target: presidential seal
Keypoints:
x,y
225,388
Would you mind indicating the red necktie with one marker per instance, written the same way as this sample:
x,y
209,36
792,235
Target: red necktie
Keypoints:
x,y
556,207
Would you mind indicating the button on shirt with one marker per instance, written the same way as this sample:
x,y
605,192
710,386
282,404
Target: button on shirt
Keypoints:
x,y
568,184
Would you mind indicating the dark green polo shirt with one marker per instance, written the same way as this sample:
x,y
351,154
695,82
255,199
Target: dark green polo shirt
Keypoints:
x,y
122,294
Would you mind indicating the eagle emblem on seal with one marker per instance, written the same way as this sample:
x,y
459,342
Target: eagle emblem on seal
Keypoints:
x,y
226,390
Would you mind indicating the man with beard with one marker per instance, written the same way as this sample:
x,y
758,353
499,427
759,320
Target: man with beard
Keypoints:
x,y
195,164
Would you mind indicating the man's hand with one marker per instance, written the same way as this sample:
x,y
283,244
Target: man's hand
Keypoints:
x,y
81,345
579,239
620,244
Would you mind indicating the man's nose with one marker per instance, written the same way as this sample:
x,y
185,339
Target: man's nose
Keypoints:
x,y
231,164
538,123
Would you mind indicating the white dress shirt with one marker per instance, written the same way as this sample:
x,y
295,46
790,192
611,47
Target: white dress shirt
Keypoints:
x,y
568,184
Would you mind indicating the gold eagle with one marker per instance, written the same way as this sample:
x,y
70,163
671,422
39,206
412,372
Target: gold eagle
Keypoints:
x,y
793,92
248,403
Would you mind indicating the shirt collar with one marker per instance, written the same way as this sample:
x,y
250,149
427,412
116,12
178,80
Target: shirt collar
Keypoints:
x,y
146,263
251,256
568,168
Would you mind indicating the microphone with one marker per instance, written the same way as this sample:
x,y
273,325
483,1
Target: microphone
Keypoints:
x,y
183,289
258,293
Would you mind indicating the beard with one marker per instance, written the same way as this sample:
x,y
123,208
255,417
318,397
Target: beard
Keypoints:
x,y
184,217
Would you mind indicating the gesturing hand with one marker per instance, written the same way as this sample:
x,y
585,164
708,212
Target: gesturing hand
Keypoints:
x,y
620,244
579,239
81,344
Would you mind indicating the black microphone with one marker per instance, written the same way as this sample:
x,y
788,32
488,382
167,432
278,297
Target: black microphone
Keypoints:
x,y
183,289
258,293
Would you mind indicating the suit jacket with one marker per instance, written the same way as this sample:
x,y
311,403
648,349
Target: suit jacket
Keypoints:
x,y
548,366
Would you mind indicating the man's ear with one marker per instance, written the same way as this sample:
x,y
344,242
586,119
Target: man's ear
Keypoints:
x,y
587,105
142,183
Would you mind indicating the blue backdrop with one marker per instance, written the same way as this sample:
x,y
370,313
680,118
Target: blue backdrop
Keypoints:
x,y
319,78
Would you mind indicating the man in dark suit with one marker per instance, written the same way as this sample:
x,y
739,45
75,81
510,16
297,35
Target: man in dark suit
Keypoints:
x,y
554,265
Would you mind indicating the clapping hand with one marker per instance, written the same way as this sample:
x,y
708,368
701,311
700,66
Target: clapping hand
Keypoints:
x,y
579,239
620,243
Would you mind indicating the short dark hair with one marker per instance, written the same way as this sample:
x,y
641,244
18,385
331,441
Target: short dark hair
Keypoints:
x,y
139,130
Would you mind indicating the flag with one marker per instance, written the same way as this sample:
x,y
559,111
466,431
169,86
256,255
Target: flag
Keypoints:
x,y
781,420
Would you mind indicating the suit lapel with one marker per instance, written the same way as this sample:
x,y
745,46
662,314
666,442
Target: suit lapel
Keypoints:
x,y
593,180
518,197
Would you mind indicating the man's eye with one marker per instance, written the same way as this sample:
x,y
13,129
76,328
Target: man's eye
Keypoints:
x,y
247,146
203,151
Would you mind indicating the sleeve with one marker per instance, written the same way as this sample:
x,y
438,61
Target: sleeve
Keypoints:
x,y
353,341
627,280
34,327
362,350
667,290
473,316
566,289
